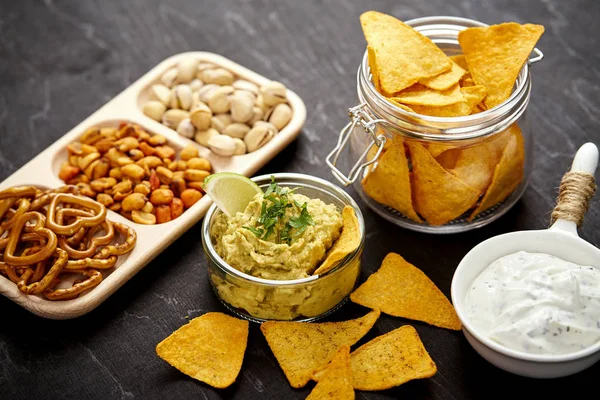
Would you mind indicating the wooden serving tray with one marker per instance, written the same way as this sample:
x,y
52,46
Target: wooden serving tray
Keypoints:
x,y
42,171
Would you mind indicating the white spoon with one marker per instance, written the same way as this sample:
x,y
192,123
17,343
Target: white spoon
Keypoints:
x,y
560,240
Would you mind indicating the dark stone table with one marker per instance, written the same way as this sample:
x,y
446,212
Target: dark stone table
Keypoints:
x,y
62,60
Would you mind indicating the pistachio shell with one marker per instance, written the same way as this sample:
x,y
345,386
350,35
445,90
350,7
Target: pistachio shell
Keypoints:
x,y
206,91
257,115
218,99
154,109
222,145
169,77
220,121
173,117
206,65
248,86
220,76
186,128
236,130
196,84
202,137
183,96
273,93
280,115
241,107
240,147
201,116
187,69
161,93
258,137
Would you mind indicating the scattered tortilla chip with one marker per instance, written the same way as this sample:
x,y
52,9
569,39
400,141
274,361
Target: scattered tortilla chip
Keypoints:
x,y
400,289
336,379
444,80
460,60
475,165
392,167
421,95
403,55
391,360
439,196
348,241
508,173
301,348
472,96
210,348
495,55
373,68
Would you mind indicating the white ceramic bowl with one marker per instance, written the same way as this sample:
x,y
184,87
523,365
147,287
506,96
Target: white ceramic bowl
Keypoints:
x,y
562,241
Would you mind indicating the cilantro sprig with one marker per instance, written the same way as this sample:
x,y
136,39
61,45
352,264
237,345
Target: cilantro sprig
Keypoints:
x,y
273,210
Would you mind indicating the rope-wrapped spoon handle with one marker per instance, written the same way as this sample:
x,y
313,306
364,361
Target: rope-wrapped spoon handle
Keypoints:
x,y
577,186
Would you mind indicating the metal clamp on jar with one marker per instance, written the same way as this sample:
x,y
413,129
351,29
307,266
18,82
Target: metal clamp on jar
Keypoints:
x,y
376,123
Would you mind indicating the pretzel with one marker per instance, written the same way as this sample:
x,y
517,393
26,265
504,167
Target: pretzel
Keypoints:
x,y
94,278
5,206
121,248
24,205
40,268
94,263
44,198
15,234
48,279
18,192
80,222
92,242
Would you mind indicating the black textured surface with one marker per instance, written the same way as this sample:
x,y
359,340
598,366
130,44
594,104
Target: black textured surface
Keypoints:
x,y
60,61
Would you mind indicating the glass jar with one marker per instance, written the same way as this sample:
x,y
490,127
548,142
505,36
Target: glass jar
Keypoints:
x,y
440,197
305,299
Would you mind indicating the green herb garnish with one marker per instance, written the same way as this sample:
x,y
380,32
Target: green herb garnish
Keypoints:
x,y
273,208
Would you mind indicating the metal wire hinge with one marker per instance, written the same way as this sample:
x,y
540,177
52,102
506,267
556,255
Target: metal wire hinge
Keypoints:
x,y
358,116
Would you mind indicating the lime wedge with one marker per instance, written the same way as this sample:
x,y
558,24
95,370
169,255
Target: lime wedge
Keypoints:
x,y
231,192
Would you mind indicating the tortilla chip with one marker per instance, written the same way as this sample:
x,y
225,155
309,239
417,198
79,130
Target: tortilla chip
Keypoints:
x,y
448,159
403,55
421,95
460,60
391,360
392,168
373,68
336,379
495,55
475,165
210,348
467,82
508,173
400,289
436,149
439,196
402,106
300,348
348,241
472,96
444,80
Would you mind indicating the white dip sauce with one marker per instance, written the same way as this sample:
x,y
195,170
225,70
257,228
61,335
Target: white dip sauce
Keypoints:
x,y
537,303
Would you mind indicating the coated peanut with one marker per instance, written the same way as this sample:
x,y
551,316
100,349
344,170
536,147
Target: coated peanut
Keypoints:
x,y
161,197
189,197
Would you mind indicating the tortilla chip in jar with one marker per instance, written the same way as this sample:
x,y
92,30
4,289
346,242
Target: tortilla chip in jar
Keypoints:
x,y
348,241
445,80
472,96
373,68
421,95
439,196
301,348
400,289
495,55
403,55
461,61
336,379
508,174
389,182
210,348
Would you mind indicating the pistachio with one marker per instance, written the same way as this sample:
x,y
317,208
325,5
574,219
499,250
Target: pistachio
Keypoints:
x,y
173,117
220,122
154,109
186,128
200,116
220,76
237,130
218,99
203,66
188,152
161,93
240,147
222,145
266,124
258,137
187,69
205,91
169,77
182,97
134,201
273,93
280,115
203,137
142,217
196,84
248,86
241,107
